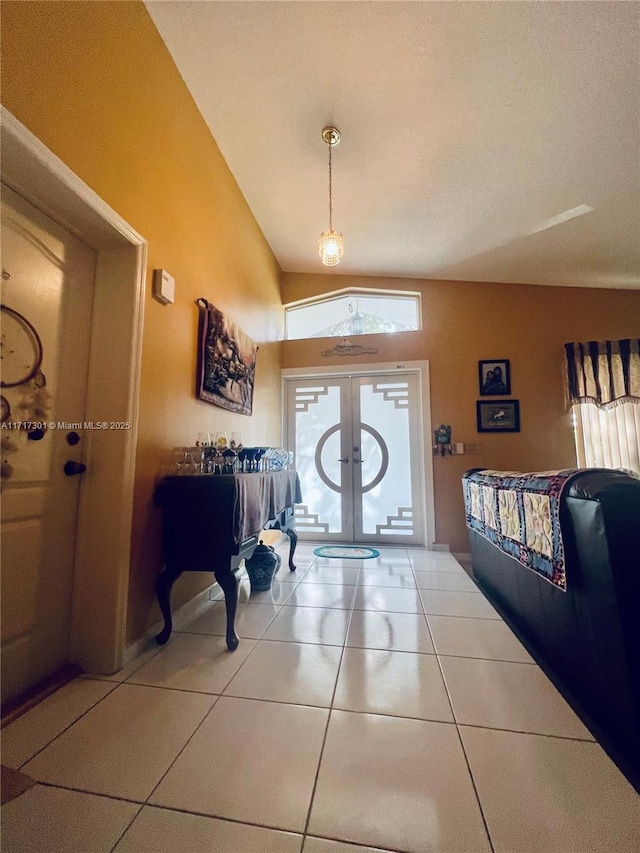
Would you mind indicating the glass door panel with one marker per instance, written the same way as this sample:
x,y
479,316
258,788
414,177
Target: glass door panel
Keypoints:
x,y
316,411
356,446
387,506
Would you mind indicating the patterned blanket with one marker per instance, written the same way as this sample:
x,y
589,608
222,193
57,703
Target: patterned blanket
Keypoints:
x,y
520,514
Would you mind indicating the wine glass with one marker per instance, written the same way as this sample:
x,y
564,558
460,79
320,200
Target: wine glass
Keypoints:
x,y
237,441
220,440
182,458
195,457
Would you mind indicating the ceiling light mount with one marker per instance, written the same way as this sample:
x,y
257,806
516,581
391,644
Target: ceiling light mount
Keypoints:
x,y
331,135
330,243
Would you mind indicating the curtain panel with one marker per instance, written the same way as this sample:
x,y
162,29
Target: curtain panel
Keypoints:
x,y
605,373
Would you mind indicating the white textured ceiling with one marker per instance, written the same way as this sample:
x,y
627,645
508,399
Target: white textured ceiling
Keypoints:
x,y
469,130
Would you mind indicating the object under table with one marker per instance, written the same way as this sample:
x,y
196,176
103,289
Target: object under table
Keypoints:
x,y
210,522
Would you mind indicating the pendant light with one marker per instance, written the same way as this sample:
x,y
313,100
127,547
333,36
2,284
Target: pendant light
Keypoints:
x,y
330,243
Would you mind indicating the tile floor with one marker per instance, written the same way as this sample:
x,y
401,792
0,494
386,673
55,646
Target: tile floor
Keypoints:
x,y
377,705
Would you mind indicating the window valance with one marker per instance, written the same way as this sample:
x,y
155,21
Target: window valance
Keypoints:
x,y
606,373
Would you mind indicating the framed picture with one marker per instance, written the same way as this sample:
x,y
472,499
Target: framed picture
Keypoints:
x,y
498,415
494,377
226,362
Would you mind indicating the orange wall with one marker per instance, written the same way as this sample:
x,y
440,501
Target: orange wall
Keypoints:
x,y
463,323
95,83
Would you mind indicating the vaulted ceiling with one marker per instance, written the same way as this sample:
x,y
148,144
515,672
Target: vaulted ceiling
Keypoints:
x,y
481,141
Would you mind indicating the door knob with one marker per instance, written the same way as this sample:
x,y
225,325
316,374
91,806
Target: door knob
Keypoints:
x,y
357,461
344,460
72,468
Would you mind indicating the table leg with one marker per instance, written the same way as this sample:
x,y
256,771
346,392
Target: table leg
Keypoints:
x,y
165,581
293,537
229,585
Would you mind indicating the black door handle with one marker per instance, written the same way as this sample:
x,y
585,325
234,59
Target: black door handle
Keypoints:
x,y
72,468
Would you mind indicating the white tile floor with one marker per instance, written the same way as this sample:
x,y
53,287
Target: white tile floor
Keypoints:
x,y
380,705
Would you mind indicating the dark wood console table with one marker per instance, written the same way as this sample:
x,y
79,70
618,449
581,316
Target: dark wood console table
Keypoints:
x,y
210,522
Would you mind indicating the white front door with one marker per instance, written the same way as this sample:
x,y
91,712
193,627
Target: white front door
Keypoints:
x,y
47,293
356,442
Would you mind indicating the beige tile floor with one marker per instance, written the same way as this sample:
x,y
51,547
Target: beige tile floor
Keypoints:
x,y
378,705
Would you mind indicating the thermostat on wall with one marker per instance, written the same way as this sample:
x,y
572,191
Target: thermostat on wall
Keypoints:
x,y
164,286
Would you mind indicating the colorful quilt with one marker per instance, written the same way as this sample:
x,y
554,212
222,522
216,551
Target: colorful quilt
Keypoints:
x,y
520,514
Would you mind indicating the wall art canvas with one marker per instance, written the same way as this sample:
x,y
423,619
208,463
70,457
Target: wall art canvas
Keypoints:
x,y
226,361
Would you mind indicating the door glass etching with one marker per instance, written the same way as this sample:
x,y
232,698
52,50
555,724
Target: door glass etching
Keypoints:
x,y
384,420
317,410
356,444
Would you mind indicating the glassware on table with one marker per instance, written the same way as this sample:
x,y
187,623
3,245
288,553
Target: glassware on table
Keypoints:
x,y
220,440
209,466
247,458
196,460
237,441
217,459
181,459
230,458
203,439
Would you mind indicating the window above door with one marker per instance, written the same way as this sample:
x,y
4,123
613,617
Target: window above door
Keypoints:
x,y
351,312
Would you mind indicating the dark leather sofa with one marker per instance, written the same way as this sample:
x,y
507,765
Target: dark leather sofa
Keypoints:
x,y
587,639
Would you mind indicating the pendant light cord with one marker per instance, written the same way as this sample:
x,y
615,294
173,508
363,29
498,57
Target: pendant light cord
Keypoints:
x,y
330,192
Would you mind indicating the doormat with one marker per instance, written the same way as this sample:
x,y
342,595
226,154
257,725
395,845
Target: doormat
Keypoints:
x,y
346,552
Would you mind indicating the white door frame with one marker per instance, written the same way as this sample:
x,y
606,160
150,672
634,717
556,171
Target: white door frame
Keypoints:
x,y
425,460
101,572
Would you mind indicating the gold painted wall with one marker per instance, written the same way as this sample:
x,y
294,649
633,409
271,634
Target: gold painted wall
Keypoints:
x,y
95,83
463,323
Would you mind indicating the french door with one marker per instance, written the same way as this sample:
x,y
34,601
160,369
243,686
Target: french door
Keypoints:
x,y
356,441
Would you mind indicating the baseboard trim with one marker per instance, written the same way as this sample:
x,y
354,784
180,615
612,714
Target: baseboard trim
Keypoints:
x,y
30,698
193,608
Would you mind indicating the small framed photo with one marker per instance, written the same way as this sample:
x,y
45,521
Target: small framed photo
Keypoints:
x,y
494,377
498,415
